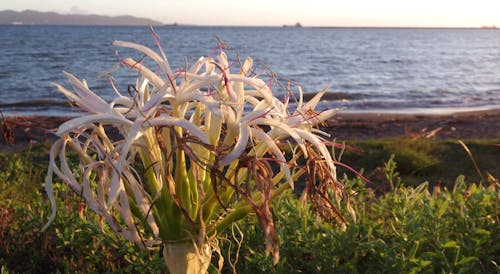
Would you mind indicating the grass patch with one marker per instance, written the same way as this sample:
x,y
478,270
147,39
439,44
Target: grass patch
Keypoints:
x,y
438,162
413,228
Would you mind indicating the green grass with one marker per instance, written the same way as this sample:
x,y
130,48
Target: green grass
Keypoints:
x,y
438,162
402,226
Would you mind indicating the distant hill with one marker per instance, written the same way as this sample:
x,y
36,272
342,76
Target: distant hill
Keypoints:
x,y
31,17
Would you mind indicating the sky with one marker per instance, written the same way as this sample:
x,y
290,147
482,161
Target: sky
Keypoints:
x,y
381,13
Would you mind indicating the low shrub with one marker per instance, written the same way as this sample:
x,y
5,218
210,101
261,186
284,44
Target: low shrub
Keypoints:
x,y
411,229
408,230
72,244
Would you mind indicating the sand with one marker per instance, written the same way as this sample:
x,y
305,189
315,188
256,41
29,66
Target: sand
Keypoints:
x,y
344,126
484,124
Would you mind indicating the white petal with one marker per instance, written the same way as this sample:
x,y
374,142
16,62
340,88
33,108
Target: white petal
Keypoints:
x,y
149,52
280,130
87,99
316,141
324,116
247,66
183,123
239,146
254,115
120,167
311,105
90,119
49,189
276,151
116,186
146,73
154,102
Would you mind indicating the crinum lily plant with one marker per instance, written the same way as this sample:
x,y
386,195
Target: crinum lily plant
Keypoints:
x,y
191,152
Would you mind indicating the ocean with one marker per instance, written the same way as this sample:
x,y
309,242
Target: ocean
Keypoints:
x,y
365,69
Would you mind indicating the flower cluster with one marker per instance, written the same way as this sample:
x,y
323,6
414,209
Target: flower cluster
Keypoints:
x,y
191,151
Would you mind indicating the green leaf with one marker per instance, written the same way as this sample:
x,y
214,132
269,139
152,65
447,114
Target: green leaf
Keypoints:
x,y
451,244
467,260
422,263
442,209
481,231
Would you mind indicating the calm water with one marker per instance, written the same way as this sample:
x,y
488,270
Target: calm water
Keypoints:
x,y
403,70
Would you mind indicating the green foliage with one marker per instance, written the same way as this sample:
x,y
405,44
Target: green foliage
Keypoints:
x,y
391,174
414,155
424,160
72,244
3,270
408,230
411,229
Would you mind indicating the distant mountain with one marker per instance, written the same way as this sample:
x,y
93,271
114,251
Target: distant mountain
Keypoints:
x,y
31,17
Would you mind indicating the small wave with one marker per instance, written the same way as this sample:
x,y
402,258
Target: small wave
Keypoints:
x,y
493,91
332,96
396,61
5,74
441,91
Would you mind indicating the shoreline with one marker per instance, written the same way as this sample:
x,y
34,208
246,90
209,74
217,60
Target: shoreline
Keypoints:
x,y
475,124
345,126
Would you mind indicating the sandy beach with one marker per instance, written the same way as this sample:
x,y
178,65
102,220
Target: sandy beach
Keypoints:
x,y
484,124
344,126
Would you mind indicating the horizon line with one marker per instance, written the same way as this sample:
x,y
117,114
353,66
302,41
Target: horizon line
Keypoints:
x,y
267,26
162,23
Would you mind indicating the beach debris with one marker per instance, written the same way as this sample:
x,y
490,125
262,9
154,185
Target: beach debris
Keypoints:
x,y
7,132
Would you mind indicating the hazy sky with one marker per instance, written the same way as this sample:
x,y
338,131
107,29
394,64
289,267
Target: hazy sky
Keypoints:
x,y
423,13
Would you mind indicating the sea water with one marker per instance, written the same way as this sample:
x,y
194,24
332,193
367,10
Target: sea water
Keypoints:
x,y
365,69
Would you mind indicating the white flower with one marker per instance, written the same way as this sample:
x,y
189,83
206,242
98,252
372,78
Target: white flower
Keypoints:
x,y
171,162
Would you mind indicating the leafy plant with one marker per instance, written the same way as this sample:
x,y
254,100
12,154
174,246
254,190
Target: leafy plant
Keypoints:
x,y
407,230
190,153
73,244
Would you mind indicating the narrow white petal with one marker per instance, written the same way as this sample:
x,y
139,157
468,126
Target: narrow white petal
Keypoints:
x,y
301,98
87,191
311,105
87,99
49,189
146,72
276,151
239,147
197,96
247,66
259,85
281,130
222,58
50,194
183,123
72,97
154,102
325,115
317,142
91,119
116,186
122,101
149,52
142,201
120,167
254,115
66,172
